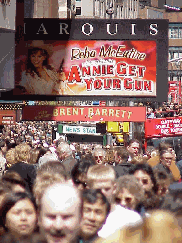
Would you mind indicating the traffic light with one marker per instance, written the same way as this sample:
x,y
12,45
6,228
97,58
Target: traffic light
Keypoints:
x,y
113,127
101,128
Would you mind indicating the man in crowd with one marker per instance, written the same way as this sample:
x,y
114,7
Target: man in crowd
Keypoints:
x,y
121,156
60,214
65,155
154,161
104,178
95,210
134,149
99,155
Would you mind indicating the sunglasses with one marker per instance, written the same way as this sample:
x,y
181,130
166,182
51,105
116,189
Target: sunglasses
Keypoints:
x,y
144,181
78,182
98,157
127,200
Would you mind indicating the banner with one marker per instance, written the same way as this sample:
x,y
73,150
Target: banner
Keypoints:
x,y
59,58
94,67
171,126
62,113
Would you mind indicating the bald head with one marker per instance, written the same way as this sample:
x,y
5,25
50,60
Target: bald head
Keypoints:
x,y
61,195
60,213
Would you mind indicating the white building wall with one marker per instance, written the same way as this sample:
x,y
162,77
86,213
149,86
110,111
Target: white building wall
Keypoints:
x,y
87,9
7,15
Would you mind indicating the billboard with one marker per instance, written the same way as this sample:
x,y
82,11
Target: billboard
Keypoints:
x,y
92,57
83,113
95,67
163,127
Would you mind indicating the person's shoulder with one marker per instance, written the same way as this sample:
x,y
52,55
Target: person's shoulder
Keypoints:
x,y
127,213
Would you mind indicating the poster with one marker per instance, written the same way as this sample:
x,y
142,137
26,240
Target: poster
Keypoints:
x,y
83,68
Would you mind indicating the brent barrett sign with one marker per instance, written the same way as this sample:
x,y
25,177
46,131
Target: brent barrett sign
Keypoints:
x,y
84,113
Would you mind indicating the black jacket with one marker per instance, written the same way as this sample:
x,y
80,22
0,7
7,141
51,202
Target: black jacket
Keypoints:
x,y
122,169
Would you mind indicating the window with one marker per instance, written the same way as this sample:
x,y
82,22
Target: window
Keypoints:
x,y
78,10
175,32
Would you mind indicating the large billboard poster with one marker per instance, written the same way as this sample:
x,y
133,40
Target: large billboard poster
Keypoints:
x,y
93,67
59,58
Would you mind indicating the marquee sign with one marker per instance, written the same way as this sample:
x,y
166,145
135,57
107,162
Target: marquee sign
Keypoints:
x,y
62,113
89,57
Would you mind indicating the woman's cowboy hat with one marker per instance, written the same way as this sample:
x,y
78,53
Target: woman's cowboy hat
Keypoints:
x,y
41,44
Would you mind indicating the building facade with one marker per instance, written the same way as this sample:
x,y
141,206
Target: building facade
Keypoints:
x,y
7,43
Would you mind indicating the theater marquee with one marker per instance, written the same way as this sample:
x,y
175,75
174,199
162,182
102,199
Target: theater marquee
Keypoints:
x,y
62,113
126,58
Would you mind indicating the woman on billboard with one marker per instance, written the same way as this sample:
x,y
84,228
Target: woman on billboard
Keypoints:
x,y
40,78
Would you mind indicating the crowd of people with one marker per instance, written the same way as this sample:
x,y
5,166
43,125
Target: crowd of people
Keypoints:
x,y
52,191
167,109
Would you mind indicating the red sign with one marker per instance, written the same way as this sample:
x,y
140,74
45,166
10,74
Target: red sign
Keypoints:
x,y
171,126
7,117
92,67
82,113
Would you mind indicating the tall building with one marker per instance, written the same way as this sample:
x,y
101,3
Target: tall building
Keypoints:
x,y
49,8
120,9
7,43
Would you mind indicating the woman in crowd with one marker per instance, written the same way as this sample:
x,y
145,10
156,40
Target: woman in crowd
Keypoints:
x,y
145,175
18,214
129,193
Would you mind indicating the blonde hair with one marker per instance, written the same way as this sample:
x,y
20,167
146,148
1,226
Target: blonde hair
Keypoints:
x,y
22,152
100,172
10,157
43,181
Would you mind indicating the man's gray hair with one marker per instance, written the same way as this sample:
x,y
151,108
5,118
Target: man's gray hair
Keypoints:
x,y
64,147
99,150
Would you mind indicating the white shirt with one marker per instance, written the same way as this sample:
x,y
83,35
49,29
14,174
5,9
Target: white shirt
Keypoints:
x,y
40,86
2,165
119,218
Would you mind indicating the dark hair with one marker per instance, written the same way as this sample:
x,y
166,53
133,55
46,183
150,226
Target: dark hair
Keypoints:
x,y
164,151
2,143
30,67
148,169
79,169
164,146
9,200
88,158
134,140
92,195
122,152
13,178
